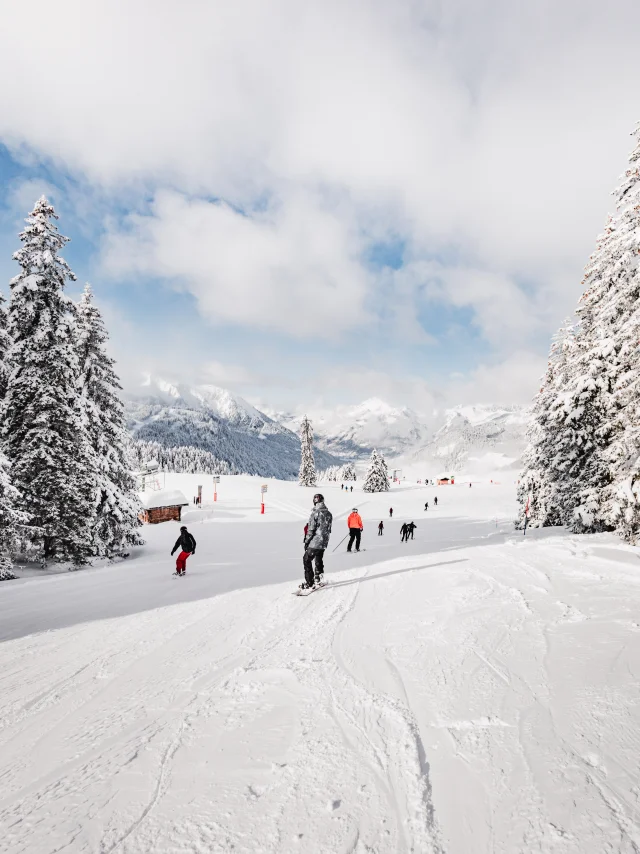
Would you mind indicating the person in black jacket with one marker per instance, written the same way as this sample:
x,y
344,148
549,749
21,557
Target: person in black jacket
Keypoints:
x,y
186,542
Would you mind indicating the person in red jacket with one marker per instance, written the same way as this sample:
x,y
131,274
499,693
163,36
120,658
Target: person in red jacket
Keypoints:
x,y
354,523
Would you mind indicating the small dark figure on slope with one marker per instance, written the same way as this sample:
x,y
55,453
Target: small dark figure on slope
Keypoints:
x,y
187,543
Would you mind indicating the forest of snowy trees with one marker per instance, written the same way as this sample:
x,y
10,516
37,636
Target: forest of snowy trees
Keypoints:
x,y
66,490
582,465
181,459
338,474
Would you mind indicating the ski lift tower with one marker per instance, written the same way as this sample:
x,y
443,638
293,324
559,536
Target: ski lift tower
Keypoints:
x,y
149,477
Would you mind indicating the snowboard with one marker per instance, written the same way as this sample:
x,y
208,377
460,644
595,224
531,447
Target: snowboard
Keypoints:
x,y
356,553
309,590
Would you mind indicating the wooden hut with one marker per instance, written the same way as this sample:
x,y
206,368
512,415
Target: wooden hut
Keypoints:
x,y
446,481
163,505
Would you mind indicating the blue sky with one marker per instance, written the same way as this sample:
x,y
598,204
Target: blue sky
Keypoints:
x,y
313,206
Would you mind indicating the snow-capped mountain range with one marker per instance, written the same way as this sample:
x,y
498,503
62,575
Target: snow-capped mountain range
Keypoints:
x,y
475,439
215,420
266,442
351,432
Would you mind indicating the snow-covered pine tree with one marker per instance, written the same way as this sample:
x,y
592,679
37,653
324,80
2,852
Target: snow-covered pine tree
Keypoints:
x,y
537,489
348,472
377,479
4,347
43,436
307,476
619,318
591,430
115,519
12,521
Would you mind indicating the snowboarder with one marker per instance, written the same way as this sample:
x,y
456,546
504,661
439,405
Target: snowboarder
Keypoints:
x,y
410,529
354,523
380,528
435,501
391,512
316,540
426,505
186,542
405,532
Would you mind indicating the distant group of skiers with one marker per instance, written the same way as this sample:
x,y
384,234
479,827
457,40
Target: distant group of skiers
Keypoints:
x,y
342,486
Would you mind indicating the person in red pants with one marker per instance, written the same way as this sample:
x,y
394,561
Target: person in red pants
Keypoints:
x,y
187,544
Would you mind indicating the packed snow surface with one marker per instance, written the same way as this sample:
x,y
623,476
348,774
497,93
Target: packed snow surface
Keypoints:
x,y
471,690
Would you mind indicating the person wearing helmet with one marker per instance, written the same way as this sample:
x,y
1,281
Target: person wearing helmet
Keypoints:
x,y
186,542
316,541
354,523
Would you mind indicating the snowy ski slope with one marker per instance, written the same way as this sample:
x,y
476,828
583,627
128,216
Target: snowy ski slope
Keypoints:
x,y
470,691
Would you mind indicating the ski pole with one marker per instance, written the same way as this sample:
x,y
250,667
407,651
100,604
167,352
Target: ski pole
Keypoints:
x,y
341,542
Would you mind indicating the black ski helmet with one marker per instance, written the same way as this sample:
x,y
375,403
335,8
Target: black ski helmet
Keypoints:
x,y
318,497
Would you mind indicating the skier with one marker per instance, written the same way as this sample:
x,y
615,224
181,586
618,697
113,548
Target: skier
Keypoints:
x,y
380,528
354,523
316,540
391,512
435,501
186,542
404,530
342,486
410,529
351,489
426,505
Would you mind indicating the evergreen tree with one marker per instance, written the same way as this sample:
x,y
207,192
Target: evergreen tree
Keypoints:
x,y
44,439
12,521
307,476
116,505
586,427
348,472
377,479
4,347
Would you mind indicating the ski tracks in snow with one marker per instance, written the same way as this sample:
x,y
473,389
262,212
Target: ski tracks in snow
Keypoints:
x,y
486,702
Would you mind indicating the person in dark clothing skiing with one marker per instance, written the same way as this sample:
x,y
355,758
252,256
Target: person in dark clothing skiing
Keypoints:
x,y
426,505
391,512
405,532
435,501
187,544
354,523
410,529
380,528
316,541
351,489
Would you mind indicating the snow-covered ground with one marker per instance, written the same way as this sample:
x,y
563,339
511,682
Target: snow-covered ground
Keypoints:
x,y
470,691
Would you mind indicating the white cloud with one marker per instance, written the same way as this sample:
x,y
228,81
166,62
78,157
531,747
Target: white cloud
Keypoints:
x,y
484,130
292,269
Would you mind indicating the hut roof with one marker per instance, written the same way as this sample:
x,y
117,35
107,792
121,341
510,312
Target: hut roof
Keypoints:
x,y
163,498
